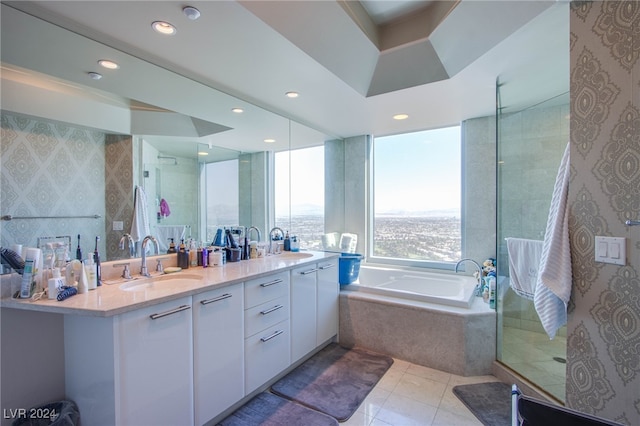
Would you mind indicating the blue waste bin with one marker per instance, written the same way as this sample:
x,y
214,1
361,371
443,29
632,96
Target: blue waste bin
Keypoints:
x,y
349,267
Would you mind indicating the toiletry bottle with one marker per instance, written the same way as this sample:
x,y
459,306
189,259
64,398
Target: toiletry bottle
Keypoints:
x,y
27,284
199,254
204,258
90,270
55,284
492,292
172,247
79,250
287,242
183,256
193,261
96,259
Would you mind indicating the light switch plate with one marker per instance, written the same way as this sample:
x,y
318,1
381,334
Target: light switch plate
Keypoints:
x,y
118,225
611,250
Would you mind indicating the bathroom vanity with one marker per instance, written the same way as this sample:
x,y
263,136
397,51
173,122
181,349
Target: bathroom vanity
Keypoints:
x,y
187,348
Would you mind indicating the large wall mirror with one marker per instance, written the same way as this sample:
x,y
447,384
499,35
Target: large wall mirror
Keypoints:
x,y
75,149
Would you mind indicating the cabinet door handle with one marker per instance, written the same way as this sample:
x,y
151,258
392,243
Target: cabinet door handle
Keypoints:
x,y
215,299
170,312
330,265
268,311
271,336
276,281
310,271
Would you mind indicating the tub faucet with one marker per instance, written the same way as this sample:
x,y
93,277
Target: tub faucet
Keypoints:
x,y
132,246
253,228
271,234
479,285
143,260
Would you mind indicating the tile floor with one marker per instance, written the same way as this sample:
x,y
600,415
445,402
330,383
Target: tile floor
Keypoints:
x,y
531,354
410,394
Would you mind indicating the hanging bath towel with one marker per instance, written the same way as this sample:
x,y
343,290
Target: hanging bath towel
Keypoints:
x,y
140,221
553,287
524,263
165,211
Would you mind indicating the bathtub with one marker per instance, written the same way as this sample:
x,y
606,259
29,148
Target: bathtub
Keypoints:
x,y
430,319
445,289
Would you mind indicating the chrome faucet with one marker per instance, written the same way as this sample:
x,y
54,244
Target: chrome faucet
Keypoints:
x,y
275,228
254,228
479,285
132,246
143,260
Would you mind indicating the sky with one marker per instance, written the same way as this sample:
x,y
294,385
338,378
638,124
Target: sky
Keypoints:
x,y
417,172
414,172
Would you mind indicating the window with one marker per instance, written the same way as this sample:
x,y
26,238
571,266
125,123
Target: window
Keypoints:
x,y
416,198
299,194
222,189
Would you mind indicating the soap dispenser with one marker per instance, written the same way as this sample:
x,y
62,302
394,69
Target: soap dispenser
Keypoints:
x,y
183,256
172,247
287,242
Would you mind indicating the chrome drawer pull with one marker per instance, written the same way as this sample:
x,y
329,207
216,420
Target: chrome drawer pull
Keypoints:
x,y
268,311
330,265
172,311
275,334
310,271
216,299
276,281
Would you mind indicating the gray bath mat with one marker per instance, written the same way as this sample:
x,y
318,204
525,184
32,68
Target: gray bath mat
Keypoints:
x,y
271,410
489,402
335,381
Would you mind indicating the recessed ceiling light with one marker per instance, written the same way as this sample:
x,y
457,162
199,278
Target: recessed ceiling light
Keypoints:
x,y
108,64
203,153
95,75
191,12
163,27
269,140
292,94
237,110
400,116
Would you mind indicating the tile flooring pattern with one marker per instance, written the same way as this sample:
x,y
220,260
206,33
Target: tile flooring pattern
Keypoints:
x,y
531,354
410,394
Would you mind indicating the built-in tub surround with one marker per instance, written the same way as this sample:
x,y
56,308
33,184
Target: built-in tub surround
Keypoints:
x,y
454,339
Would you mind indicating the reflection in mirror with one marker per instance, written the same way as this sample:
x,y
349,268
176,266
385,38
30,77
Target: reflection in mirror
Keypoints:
x,y
64,104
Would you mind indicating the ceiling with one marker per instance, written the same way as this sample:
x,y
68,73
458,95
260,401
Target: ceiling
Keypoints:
x,y
355,64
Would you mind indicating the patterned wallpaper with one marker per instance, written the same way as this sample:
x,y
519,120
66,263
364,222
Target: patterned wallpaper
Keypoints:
x,y
50,169
603,343
56,169
118,191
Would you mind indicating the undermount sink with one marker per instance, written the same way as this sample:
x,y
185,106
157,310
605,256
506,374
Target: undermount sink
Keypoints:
x,y
161,282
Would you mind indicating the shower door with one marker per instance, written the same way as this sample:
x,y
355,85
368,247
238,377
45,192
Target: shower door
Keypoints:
x,y
530,144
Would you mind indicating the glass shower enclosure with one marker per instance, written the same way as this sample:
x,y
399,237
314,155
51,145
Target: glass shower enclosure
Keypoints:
x,y
530,145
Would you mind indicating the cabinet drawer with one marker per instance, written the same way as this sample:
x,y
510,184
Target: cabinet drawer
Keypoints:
x,y
265,315
266,354
263,289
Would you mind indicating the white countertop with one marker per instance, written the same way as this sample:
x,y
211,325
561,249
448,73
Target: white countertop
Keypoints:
x,y
109,299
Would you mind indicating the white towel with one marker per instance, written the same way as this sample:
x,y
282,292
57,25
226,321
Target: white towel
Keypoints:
x,y
524,263
164,232
140,221
553,287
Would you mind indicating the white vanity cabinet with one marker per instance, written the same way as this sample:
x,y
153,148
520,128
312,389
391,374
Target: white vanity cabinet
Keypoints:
x,y
328,291
267,343
135,368
314,306
218,350
303,311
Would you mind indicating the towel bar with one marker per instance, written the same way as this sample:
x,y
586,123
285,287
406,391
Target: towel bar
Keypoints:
x,y
632,223
9,217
